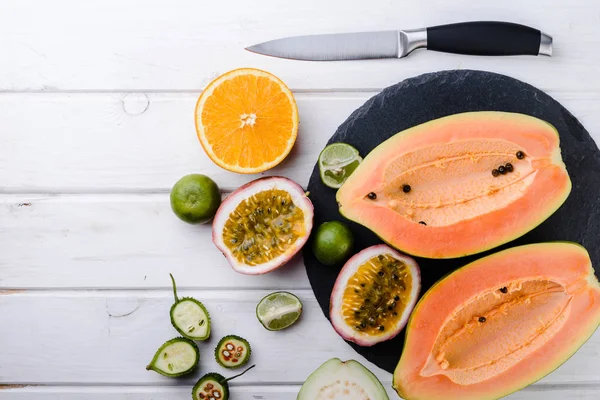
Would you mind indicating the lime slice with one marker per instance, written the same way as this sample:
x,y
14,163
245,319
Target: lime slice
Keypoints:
x,y
278,310
336,162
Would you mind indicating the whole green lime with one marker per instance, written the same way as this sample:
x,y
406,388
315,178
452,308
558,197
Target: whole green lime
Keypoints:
x,y
333,243
195,199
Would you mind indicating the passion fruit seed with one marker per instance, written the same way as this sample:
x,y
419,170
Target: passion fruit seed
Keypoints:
x,y
509,167
372,195
495,172
520,155
255,237
406,188
504,289
379,283
482,319
502,170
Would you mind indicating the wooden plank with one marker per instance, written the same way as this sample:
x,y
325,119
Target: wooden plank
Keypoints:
x,y
107,337
182,44
89,142
95,142
280,392
115,241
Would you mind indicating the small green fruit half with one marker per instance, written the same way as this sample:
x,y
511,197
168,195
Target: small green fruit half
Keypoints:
x,y
213,386
232,352
279,310
189,317
175,357
336,376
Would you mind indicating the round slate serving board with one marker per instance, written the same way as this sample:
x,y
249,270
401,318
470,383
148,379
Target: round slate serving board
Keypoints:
x,y
435,95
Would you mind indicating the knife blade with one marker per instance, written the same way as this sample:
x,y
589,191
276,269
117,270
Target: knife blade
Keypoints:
x,y
490,38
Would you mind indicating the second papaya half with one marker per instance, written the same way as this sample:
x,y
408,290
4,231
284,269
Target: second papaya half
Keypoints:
x,y
459,185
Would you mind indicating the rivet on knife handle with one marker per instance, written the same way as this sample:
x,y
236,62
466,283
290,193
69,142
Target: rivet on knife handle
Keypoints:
x,y
485,38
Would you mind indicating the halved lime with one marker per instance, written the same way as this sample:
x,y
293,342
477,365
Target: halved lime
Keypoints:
x,y
336,162
279,310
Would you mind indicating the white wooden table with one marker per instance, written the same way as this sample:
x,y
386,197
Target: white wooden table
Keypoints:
x,y
96,124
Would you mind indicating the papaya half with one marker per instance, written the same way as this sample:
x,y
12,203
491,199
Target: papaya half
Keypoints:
x,y
459,185
499,324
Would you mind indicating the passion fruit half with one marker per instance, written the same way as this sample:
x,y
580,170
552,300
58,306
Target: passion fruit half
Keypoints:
x,y
263,224
374,295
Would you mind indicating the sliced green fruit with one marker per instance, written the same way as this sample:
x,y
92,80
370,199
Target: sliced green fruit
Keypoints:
x,y
278,310
195,199
189,316
176,357
336,162
333,243
232,351
213,386
340,380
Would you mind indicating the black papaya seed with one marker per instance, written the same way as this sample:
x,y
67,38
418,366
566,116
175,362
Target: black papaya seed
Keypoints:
x,y
520,155
482,319
422,223
502,170
504,289
509,167
495,172
372,195
406,188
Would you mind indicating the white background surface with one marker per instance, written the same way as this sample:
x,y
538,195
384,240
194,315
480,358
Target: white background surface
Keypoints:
x,y
96,124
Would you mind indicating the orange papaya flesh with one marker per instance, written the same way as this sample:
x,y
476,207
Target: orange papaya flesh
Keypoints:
x,y
500,323
434,190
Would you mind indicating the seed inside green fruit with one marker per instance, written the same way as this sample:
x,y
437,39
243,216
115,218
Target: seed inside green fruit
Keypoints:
x,y
175,358
278,310
195,199
333,243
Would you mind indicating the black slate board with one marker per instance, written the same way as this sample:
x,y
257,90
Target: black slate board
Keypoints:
x,y
436,95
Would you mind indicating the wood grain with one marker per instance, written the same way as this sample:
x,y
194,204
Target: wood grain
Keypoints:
x,y
116,241
279,392
96,124
183,44
107,337
88,142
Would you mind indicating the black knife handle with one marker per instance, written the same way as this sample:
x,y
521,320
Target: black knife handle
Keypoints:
x,y
486,39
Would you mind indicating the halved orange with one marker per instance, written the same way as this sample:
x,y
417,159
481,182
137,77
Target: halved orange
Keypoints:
x,y
247,120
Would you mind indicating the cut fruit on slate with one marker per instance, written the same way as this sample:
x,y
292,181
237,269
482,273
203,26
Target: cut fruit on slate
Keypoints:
x,y
263,224
500,323
279,310
176,357
336,163
374,295
232,351
247,120
214,386
341,380
459,185
189,316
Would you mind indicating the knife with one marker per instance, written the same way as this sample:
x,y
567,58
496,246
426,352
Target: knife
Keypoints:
x,y
484,38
